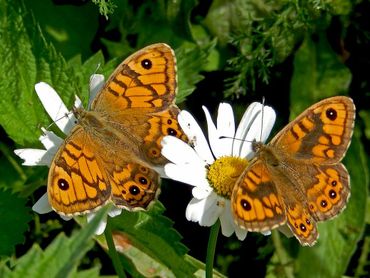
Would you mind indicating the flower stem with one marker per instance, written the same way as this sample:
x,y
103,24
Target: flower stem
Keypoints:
x,y
211,248
112,251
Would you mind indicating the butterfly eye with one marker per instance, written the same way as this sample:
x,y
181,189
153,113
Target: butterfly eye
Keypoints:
x,y
171,131
146,64
324,203
331,114
332,194
63,184
134,190
143,169
246,205
302,227
143,181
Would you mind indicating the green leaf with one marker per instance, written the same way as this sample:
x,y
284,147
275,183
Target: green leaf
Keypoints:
x,y
150,243
62,256
14,215
73,36
365,116
27,59
190,62
149,22
318,73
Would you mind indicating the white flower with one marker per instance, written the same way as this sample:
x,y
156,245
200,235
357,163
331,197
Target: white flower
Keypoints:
x,y
193,163
65,120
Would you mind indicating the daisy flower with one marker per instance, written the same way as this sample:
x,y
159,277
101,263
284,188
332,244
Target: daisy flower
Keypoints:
x,y
64,120
213,167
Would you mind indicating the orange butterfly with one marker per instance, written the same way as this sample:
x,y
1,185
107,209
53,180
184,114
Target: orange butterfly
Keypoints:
x,y
112,152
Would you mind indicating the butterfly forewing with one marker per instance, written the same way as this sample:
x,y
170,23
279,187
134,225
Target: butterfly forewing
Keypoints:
x,y
321,134
77,182
145,80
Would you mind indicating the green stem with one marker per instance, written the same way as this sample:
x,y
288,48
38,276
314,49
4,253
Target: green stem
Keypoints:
x,y
112,250
282,255
211,248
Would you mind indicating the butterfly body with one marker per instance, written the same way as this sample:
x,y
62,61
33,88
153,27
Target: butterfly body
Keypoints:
x,y
297,179
111,153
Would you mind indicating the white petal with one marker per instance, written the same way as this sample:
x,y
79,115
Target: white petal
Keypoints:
x,y
213,212
114,212
160,171
266,233
34,157
269,117
201,192
50,140
250,128
42,206
240,233
178,151
195,176
96,84
225,128
195,135
55,107
227,227
102,224
196,209
65,218
248,118
78,102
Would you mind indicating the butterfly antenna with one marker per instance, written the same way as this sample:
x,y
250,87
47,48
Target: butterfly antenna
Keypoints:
x,y
56,120
234,138
263,105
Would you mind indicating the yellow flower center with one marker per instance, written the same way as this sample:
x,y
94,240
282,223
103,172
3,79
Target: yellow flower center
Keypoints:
x,y
224,173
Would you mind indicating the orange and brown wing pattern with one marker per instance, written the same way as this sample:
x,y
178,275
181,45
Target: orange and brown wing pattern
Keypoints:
x,y
134,186
161,124
146,79
301,223
76,182
328,192
255,201
321,134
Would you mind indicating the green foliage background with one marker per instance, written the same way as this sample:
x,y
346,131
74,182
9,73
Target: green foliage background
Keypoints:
x,y
293,53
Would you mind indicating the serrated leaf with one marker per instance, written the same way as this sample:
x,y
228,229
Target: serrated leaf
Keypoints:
x,y
14,215
61,257
26,60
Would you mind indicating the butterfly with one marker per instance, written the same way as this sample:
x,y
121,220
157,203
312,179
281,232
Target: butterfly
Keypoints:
x,y
112,152
297,179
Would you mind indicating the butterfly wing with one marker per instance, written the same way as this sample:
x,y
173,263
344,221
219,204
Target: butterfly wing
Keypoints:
x,y
77,182
134,186
327,190
256,203
138,99
300,221
321,134
146,79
